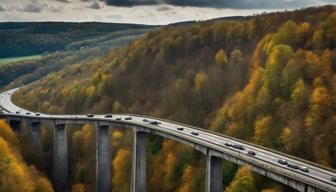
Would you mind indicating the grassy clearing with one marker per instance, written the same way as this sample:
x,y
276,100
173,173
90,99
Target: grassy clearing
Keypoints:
x,y
4,61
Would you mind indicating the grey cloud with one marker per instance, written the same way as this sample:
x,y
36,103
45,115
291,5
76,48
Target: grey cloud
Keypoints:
x,y
220,3
55,8
30,7
131,2
63,1
243,3
35,7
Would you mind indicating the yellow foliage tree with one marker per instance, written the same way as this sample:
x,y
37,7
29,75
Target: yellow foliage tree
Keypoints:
x,y
286,138
221,58
262,131
187,178
7,134
121,165
199,80
300,94
116,107
78,187
43,185
243,181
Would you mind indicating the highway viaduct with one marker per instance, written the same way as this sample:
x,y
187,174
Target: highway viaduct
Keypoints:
x,y
215,147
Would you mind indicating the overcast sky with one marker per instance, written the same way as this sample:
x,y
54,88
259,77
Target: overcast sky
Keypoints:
x,y
141,11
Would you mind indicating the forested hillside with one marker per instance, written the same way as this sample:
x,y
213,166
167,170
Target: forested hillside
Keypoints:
x,y
24,72
21,39
268,80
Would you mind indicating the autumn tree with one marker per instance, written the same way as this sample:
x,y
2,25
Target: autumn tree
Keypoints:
x,y
287,139
263,131
200,80
122,163
78,187
300,95
243,181
186,185
276,62
221,58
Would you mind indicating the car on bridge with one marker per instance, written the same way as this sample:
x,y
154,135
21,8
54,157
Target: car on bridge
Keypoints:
x,y
145,120
333,179
27,113
282,161
118,119
240,147
108,115
155,123
180,128
128,118
194,133
304,169
18,112
37,114
228,144
293,166
89,115
252,153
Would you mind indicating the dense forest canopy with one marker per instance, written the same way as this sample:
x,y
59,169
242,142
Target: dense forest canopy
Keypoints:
x,y
24,38
269,79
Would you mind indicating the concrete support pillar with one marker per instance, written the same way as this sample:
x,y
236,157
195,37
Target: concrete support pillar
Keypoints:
x,y
214,175
139,162
35,134
60,157
15,125
103,155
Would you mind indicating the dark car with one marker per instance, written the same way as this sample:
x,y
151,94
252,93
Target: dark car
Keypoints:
x,y
18,112
27,113
293,166
240,147
228,144
128,118
251,153
89,115
154,123
180,128
194,133
145,120
37,114
108,116
118,119
333,179
282,162
304,169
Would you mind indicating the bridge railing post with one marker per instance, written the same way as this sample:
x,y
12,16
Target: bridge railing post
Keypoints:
x,y
139,162
60,157
103,159
214,171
